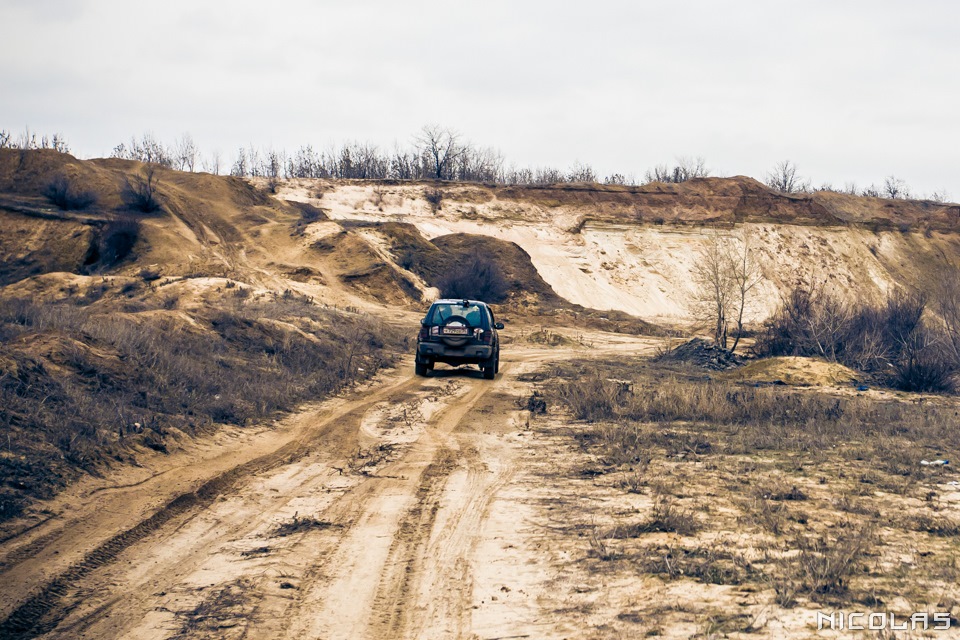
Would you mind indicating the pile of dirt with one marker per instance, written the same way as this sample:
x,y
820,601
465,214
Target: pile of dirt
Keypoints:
x,y
702,353
796,371
432,260
548,338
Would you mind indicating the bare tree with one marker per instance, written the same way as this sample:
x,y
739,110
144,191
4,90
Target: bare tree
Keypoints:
x,y
254,163
615,178
686,168
185,153
5,139
784,178
147,149
895,188
440,147
726,274
871,192
26,140
239,168
715,288
745,275
689,168
58,143
404,165
582,173
212,163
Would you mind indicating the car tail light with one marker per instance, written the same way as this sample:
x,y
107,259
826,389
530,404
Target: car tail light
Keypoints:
x,y
435,331
485,337
424,333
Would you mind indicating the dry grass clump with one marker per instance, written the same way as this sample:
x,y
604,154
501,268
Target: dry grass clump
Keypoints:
x,y
671,411
665,517
935,525
823,566
82,385
298,525
710,564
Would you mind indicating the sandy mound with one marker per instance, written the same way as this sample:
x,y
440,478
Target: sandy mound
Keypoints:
x,y
433,259
792,370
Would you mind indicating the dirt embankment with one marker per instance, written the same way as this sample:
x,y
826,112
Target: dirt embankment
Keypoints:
x,y
635,250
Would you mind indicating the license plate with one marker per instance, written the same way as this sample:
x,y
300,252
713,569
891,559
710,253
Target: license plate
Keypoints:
x,y
455,331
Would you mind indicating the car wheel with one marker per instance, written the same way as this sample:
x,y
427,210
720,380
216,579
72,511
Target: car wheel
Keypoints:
x,y
420,369
489,368
496,363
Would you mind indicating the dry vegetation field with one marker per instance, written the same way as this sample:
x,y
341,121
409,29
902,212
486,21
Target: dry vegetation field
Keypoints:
x,y
727,509
91,380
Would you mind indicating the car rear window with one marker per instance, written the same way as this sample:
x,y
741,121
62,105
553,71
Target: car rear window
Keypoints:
x,y
475,315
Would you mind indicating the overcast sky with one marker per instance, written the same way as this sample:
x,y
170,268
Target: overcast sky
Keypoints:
x,y
851,91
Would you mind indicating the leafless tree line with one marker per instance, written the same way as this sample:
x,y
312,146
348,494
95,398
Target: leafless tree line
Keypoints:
x,y
785,177
27,140
437,153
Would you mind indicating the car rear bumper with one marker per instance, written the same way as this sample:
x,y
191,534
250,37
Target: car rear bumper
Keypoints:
x,y
440,352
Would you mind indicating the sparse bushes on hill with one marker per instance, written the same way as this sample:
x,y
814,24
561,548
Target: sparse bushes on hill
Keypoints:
x,y
118,382
62,192
892,340
27,140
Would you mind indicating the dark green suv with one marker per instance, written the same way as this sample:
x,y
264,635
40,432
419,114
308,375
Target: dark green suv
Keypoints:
x,y
459,332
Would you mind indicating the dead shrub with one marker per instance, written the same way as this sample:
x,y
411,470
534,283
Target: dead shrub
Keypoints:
x,y
434,197
824,567
665,517
477,277
142,193
62,192
891,340
298,525
116,241
600,548
707,564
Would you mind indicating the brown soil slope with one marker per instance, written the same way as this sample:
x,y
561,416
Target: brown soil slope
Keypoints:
x,y
738,199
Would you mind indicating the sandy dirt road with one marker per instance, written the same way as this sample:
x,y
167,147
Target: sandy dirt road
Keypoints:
x,y
400,511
